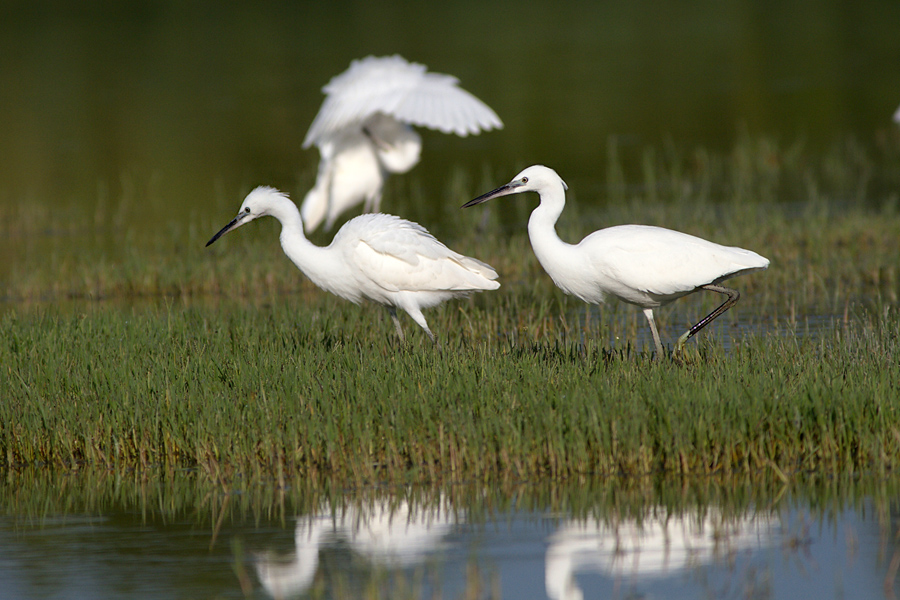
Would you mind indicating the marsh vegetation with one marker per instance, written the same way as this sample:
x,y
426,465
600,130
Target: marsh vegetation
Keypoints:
x,y
230,361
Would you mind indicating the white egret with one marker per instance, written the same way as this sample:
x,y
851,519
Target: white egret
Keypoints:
x,y
897,116
377,257
650,551
364,130
638,264
384,534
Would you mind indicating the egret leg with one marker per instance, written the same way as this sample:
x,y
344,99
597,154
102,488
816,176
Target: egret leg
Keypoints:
x,y
733,297
648,312
419,318
396,322
331,216
373,203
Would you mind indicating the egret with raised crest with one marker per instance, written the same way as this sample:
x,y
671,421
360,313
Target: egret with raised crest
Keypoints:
x,y
377,257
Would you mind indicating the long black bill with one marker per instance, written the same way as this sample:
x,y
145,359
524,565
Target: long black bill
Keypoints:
x,y
503,190
234,223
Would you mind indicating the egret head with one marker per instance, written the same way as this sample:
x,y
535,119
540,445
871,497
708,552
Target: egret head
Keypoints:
x,y
533,179
258,203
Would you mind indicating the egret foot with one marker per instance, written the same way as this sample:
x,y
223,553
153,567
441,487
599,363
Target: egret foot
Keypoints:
x,y
679,345
682,355
733,297
434,341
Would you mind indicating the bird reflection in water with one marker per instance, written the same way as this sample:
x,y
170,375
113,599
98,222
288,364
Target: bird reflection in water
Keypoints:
x,y
385,533
630,551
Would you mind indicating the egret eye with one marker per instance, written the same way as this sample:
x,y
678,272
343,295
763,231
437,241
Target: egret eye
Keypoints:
x,y
524,180
247,210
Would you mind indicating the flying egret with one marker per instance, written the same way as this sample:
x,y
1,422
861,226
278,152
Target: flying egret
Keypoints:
x,y
378,257
364,130
638,264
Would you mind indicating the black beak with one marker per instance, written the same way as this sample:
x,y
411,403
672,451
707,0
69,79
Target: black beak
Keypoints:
x,y
234,223
503,190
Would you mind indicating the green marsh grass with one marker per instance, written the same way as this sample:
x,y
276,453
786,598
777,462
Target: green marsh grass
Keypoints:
x,y
250,391
132,349
34,494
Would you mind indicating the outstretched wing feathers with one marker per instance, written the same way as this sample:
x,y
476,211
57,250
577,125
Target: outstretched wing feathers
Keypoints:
x,y
448,109
402,90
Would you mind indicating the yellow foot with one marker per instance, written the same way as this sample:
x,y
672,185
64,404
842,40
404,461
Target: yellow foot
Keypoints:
x,y
678,354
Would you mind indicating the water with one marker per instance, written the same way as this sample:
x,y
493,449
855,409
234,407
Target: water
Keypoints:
x,y
131,119
660,541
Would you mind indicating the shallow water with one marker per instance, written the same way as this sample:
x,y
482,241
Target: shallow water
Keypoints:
x,y
132,120
784,545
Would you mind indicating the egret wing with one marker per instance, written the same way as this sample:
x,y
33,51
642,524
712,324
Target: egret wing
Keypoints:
x,y
402,90
438,103
664,262
399,255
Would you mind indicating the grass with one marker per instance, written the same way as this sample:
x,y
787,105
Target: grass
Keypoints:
x,y
229,362
34,494
248,391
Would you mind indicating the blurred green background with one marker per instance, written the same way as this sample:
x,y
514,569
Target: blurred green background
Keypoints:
x,y
169,105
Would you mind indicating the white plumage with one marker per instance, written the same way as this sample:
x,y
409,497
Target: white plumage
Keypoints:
x,y
384,533
658,545
639,264
364,130
375,257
